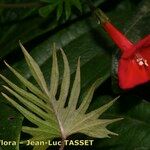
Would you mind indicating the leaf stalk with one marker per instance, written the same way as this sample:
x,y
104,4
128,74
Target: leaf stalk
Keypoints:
x,y
62,144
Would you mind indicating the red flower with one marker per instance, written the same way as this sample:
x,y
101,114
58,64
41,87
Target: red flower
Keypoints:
x,y
134,63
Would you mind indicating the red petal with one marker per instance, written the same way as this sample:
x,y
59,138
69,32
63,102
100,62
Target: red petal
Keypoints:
x,y
131,74
144,43
144,48
145,53
121,41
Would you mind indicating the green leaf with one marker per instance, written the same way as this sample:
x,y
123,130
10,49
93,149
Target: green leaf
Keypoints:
x,y
67,9
133,130
54,79
35,70
17,21
45,11
77,4
9,118
30,86
8,15
85,51
59,10
61,5
62,121
22,30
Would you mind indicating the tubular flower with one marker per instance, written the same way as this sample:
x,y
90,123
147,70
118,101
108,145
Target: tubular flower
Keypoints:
x,y
134,63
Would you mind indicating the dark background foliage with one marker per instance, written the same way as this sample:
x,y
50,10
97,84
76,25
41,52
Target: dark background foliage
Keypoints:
x,y
71,26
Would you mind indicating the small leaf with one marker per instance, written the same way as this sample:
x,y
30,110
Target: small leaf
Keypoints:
x,y
45,11
67,9
59,10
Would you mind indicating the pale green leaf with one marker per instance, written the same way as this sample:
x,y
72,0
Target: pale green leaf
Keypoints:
x,y
35,100
75,92
35,109
49,114
35,69
54,74
28,84
30,116
65,83
87,99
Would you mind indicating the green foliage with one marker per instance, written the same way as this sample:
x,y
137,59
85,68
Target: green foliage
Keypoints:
x,y
79,37
10,119
49,113
133,130
60,6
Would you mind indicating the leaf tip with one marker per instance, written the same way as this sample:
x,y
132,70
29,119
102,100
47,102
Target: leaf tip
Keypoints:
x,y
20,44
3,94
78,63
4,86
53,48
23,48
64,55
6,64
117,119
115,99
79,59
62,51
7,88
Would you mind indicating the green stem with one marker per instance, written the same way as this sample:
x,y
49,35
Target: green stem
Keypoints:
x,y
98,13
101,16
20,5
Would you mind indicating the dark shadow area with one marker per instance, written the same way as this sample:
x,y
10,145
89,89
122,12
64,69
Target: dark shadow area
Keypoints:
x,y
127,101
109,5
106,6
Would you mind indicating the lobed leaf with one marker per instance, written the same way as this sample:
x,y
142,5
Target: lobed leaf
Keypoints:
x,y
58,120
